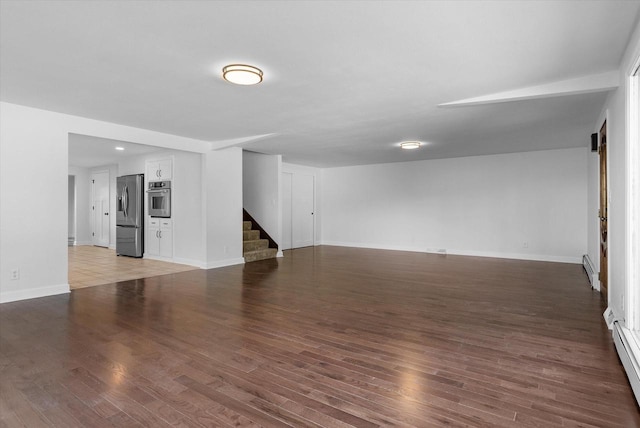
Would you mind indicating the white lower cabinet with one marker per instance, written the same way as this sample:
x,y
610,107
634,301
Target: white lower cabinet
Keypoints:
x,y
159,237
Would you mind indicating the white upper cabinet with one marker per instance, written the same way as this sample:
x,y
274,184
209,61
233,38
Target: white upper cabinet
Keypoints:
x,y
159,170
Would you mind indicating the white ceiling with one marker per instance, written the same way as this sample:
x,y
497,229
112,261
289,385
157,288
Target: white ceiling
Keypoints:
x,y
344,82
87,151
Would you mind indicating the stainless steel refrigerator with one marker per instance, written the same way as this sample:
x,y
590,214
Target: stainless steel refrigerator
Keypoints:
x,y
129,215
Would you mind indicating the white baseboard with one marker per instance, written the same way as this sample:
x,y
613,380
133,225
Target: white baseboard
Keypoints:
x,y
629,353
197,263
590,270
609,317
189,262
79,243
223,263
159,258
33,293
499,255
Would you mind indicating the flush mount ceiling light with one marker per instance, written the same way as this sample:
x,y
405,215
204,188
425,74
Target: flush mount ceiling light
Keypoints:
x,y
119,148
410,145
242,74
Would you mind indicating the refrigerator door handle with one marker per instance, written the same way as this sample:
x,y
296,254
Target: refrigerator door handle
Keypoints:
x,y
125,200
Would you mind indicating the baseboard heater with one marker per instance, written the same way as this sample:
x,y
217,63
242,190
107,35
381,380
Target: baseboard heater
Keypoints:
x,y
590,270
628,353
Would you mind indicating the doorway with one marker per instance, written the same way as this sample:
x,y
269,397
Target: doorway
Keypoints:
x,y
603,214
100,208
298,210
71,209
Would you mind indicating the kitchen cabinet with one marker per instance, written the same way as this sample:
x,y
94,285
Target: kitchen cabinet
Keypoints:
x,y
159,237
159,170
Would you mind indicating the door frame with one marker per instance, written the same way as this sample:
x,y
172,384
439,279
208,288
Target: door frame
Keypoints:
x,y
313,208
72,212
92,207
604,285
633,204
286,213
293,173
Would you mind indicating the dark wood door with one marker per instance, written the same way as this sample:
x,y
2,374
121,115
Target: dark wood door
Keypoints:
x,y
604,246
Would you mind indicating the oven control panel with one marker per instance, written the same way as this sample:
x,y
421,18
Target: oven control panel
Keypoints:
x,y
157,185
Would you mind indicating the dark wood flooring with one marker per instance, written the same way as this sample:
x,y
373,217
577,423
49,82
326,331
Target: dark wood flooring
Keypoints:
x,y
327,336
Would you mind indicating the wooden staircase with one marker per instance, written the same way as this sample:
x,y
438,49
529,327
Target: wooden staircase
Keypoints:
x,y
254,248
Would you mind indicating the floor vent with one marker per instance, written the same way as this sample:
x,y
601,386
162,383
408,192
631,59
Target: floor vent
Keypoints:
x,y
590,270
628,357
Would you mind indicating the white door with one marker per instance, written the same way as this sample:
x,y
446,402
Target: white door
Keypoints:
x,y
302,210
286,243
100,208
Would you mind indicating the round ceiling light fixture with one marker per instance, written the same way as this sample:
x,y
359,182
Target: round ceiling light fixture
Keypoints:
x,y
242,74
410,145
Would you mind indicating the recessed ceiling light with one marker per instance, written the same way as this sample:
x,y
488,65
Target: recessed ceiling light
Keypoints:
x,y
242,74
119,148
410,145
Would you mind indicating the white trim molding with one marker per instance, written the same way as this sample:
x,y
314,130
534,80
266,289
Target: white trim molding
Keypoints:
x,y
609,317
580,85
33,293
494,254
629,352
590,270
632,249
223,263
188,262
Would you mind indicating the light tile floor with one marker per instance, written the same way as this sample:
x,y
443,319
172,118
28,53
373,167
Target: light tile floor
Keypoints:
x,y
89,266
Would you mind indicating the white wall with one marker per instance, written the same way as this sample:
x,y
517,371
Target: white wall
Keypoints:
x,y
615,110
261,190
83,204
615,113
622,290
523,205
132,165
34,149
186,205
222,210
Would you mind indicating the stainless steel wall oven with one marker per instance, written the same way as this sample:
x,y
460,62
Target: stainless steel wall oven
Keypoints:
x,y
159,194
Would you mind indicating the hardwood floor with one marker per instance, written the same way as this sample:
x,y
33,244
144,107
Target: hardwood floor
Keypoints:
x,y
326,336
89,266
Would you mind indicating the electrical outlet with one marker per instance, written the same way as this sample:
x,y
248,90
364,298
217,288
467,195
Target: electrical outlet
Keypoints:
x,y
525,245
15,274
